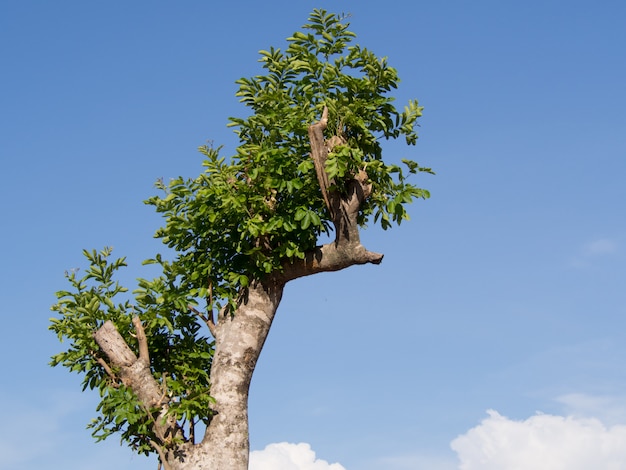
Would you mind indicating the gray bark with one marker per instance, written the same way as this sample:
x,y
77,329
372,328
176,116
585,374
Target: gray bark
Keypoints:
x,y
240,338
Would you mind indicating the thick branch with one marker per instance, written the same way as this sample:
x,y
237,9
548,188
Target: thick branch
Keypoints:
x,y
114,346
328,258
134,372
319,154
343,205
137,376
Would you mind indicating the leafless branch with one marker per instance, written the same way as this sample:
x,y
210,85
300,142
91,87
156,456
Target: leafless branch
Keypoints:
x,y
144,353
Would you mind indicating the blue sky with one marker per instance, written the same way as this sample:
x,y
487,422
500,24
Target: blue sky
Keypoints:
x,y
505,292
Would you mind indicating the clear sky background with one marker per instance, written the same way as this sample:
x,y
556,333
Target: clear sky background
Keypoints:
x,y
492,335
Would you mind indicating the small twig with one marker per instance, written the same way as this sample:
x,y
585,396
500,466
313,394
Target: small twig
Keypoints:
x,y
211,323
164,387
211,320
158,431
159,449
210,303
107,369
144,353
206,319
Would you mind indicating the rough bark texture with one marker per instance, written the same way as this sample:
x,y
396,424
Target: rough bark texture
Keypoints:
x,y
240,335
136,375
240,338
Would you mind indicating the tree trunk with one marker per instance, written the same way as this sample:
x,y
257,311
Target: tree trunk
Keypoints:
x,y
240,335
239,340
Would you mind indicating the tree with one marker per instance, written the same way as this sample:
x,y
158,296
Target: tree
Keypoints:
x,y
174,360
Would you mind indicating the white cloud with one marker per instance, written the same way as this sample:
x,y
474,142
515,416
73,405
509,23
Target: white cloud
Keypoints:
x,y
541,442
593,250
602,246
286,456
609,409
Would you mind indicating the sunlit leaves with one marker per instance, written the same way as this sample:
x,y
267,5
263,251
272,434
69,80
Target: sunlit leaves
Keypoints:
x,y
243,218
180,351
84,308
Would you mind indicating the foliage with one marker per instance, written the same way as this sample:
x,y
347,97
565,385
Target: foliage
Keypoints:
x,y
179,351
242,219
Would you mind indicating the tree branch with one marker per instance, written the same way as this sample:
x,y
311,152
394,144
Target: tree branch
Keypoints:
x,y
192,431
344,205
162,456
319,154
208,320
107,369
144,353
328,258
136,374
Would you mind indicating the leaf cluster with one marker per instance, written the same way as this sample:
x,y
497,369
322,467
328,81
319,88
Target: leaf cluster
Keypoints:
x,y
180,352
242,218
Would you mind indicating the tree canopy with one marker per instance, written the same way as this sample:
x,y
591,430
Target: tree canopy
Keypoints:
x,y
254,216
